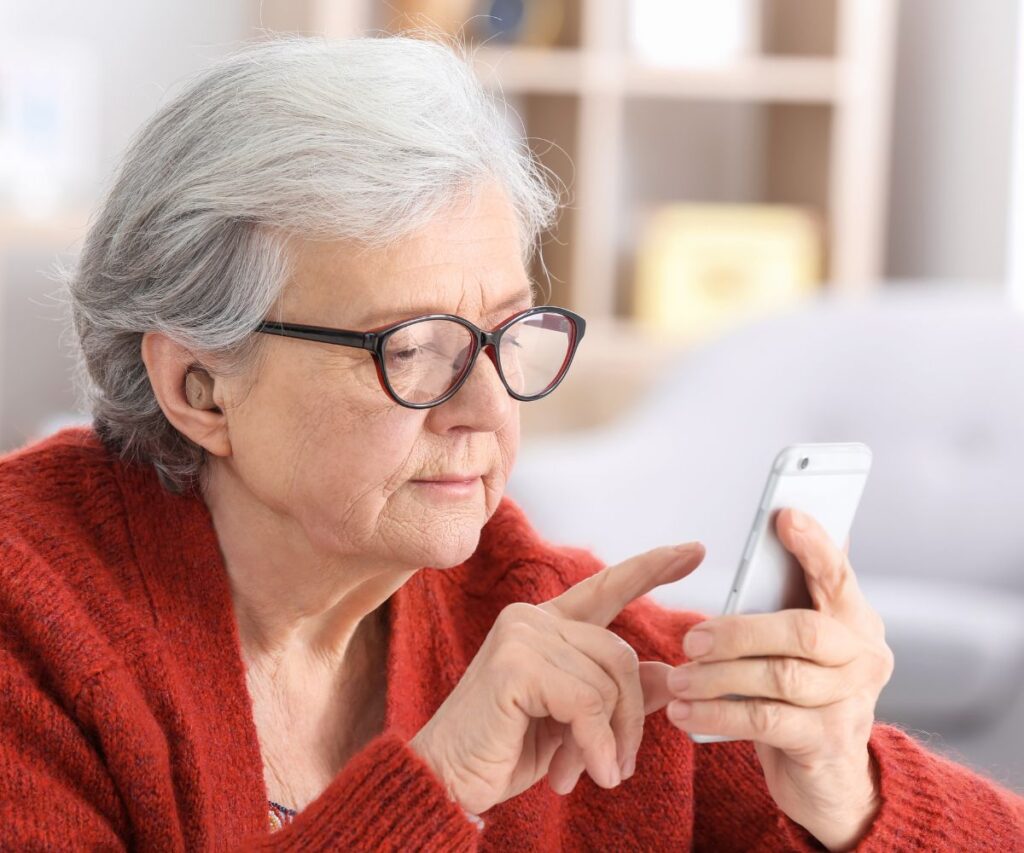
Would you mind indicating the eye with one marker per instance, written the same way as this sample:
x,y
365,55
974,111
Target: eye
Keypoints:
x,y
405,359
407,354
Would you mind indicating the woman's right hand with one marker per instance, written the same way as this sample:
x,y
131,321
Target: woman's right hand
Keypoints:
x,y
553,692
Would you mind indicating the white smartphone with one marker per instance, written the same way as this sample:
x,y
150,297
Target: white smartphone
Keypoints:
x,y
825,481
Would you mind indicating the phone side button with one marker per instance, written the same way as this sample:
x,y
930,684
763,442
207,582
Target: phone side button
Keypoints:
x,y
755,533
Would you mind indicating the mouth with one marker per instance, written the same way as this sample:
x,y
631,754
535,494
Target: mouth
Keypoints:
x,y
448,478
449,485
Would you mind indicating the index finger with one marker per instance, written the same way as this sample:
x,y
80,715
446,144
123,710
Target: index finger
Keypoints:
x,y
601,597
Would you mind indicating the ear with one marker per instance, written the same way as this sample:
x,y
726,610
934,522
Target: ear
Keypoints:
x,y
167,362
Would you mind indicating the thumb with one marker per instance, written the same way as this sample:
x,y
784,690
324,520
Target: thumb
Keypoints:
x,y
654,683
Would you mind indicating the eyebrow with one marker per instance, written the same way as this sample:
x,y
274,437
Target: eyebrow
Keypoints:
x,y
385,317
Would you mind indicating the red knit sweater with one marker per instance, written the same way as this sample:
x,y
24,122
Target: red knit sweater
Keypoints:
x,y
125,719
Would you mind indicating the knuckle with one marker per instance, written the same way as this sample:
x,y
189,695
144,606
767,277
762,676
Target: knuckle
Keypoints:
x,y
513,646
765,717
625,657
516,613
608,690
635,735
589,701
787,676
852,726
515,633
883,666
808,628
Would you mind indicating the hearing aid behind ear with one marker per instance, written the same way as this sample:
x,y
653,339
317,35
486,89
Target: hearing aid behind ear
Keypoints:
x,y
199,389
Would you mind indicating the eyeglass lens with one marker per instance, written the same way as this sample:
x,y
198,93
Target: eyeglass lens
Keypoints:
x,y
425,360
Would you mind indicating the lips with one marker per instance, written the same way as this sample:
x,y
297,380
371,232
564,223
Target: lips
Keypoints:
x,y
449,478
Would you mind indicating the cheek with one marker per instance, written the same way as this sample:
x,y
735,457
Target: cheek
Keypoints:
x,y
335,457
359,455
353,471
507,447
328,443
508,441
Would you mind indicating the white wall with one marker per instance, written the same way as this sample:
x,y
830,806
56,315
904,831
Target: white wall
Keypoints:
x,y
951,160
1015,226
143,47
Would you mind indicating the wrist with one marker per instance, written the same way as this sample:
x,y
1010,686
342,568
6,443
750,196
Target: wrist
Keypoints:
x,y
842,826
420,744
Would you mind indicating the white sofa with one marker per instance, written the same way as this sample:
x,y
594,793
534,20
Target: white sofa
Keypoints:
x,y
933,380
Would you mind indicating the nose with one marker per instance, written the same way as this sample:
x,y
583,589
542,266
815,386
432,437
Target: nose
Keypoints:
x,y
481,404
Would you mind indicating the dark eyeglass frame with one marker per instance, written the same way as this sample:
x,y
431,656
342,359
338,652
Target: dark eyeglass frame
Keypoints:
x,y
376,339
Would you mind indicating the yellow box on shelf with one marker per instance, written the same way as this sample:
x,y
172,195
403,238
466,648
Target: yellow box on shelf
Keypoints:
x,y
703,269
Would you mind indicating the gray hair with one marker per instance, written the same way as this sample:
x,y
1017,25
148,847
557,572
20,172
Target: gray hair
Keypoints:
x,y
363,139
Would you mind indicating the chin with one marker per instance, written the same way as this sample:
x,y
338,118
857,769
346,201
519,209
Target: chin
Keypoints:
x,y
450,543
439,529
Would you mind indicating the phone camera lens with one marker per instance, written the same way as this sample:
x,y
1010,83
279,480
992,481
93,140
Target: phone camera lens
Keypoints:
x,y
804,462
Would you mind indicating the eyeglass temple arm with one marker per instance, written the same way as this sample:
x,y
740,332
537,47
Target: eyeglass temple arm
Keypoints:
x,y
363,340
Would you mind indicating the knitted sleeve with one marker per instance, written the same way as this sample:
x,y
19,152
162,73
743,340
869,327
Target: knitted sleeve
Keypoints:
x,y
386,798
930,803
54,786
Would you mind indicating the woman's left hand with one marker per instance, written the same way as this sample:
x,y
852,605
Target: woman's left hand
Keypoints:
x,y
816,675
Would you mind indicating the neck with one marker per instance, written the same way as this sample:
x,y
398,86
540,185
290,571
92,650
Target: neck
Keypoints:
x,y
291,602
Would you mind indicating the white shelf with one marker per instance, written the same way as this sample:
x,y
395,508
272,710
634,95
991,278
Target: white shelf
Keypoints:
x,y
520,70
530,70
771,79
850,146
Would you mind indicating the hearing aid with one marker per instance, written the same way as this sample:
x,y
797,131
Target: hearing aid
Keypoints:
x,y
199,389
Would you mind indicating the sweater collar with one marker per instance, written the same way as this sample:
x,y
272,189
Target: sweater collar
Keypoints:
x,y
183,568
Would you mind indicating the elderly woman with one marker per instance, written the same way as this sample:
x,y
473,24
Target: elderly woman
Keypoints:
x,y
215,606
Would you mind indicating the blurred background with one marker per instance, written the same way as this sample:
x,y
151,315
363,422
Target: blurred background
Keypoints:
x,y
786,221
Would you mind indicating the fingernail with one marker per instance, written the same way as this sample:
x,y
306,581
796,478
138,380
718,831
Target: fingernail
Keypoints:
x,y
697,643
687,547
630,768
678,710
798,521
678,680
614,777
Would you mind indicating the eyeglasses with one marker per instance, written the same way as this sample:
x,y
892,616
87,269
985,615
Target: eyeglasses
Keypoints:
x,y
424,361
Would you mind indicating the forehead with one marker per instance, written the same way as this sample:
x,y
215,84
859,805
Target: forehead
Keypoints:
x,y
467,260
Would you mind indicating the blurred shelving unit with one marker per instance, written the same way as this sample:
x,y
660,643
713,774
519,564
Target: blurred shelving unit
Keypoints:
x,y
821,90
807,118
